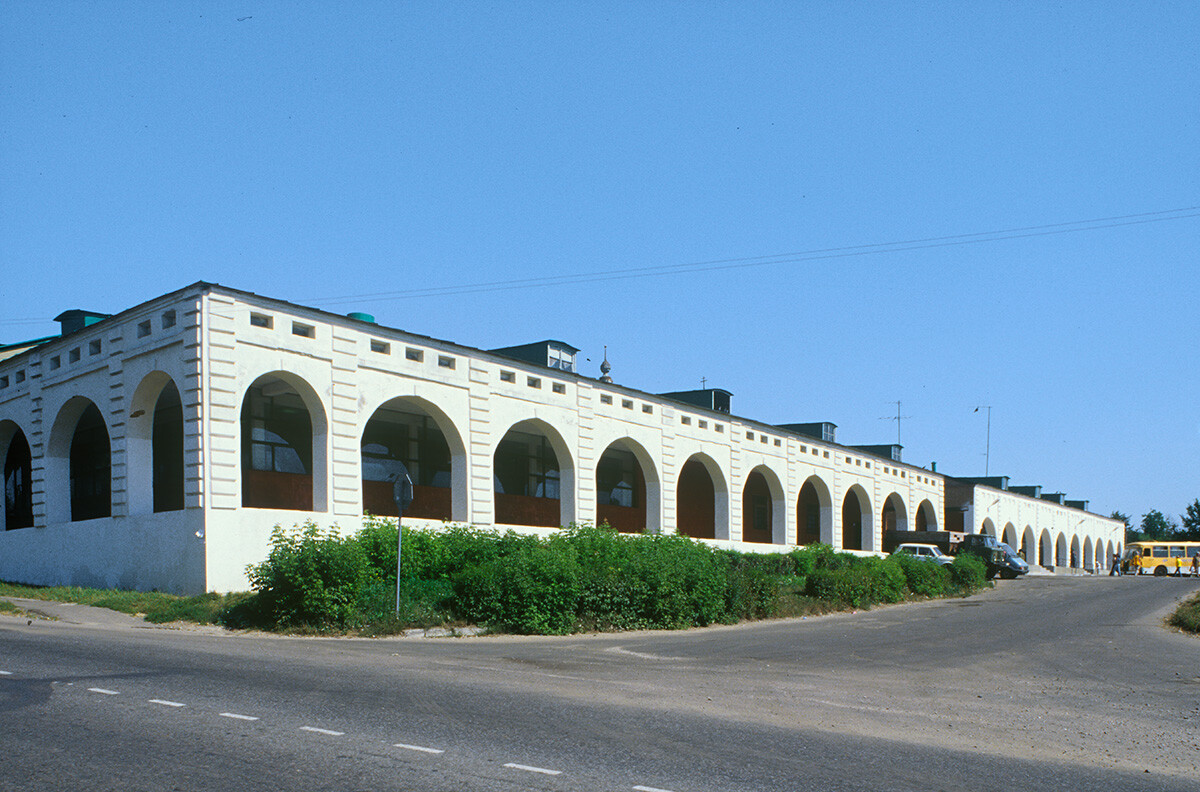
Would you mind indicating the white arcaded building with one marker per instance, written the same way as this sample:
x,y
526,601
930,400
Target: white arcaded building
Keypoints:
x,y
158,447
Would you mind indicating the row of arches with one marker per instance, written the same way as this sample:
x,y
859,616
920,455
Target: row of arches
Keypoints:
x,y
283,437
533,475
78,461
1055,549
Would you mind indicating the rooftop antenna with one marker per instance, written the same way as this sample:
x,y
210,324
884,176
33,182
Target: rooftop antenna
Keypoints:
x,y
896,418
703,382
987,454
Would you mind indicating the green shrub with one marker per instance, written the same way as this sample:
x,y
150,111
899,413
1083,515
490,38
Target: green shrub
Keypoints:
x,y
311,577
532,587
968,573
923,577
859,582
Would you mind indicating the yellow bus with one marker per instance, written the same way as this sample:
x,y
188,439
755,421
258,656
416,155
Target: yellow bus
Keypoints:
x,y
1159,557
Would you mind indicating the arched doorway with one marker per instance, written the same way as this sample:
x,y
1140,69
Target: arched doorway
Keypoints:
x,y
696,498
814,513
1046,549
757,511
894,517
926,517
856,524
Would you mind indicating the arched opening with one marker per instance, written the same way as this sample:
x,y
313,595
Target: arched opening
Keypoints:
x,y
278,441
926,517
988,527
856,524
1029,545
167,450
90,467
530,477
696,499
1075,559
621,492
404,435
814,513
1010,537
18,478
757,512
1060,556
1089,556
894,517
1046,549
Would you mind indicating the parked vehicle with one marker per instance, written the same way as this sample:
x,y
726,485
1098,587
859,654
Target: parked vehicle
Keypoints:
x,y
987,547
1159,557
1015,566
926,551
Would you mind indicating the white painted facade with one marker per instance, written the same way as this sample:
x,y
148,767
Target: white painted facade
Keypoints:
x,y
215,344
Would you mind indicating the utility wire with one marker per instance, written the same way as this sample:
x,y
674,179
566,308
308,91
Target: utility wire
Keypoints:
x,y
776,258
712,265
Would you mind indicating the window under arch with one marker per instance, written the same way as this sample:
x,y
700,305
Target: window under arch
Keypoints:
x,y
526,481
277,446
404,438
621,491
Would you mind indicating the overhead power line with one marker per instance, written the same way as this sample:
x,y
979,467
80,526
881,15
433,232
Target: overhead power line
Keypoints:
x,y
1071,227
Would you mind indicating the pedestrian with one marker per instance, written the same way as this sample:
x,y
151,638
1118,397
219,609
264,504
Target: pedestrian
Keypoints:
x,y
1116,565
1196,564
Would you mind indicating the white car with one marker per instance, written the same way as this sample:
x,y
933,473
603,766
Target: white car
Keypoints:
x,y
927,551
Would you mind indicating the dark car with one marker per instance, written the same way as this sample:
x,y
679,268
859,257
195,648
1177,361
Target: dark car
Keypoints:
x,y
1014,565
988,549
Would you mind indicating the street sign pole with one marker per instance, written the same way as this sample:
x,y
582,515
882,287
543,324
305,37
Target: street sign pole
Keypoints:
x,y
402,494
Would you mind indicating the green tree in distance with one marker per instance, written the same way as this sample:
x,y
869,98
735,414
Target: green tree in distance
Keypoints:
x,y
1156,525
1191,521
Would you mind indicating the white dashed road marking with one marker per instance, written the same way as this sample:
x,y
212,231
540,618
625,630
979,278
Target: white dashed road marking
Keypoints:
x,y
331,733
5,673
420,748
529,769
321,731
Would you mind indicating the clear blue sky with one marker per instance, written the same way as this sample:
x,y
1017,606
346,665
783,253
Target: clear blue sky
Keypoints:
x,y
313,151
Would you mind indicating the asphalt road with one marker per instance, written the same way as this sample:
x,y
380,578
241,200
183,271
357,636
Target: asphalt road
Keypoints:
x,y
1044,683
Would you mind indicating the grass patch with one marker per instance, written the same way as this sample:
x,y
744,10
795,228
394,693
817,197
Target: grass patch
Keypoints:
x,y
154,606
1187,616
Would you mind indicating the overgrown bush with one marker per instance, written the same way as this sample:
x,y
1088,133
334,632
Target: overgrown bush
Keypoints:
x,y
533,587
968,573
581,578
312,578
923,577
